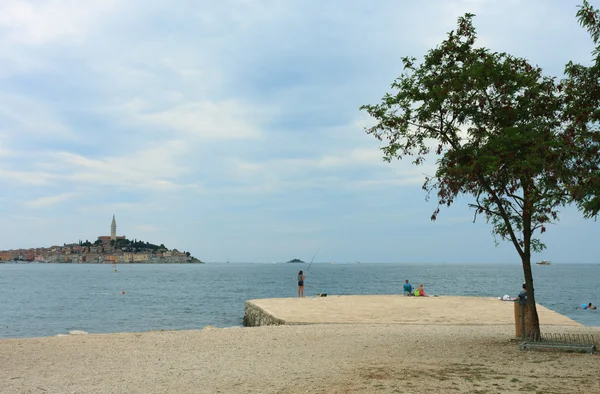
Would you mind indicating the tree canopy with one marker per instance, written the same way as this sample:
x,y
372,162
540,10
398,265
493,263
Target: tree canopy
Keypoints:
x,y
581,116
501,131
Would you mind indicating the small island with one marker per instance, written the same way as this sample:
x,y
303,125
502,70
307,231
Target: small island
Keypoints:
x,y
296,261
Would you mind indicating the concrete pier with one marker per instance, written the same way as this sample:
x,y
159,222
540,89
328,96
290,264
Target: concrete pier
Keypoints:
x,y
390,309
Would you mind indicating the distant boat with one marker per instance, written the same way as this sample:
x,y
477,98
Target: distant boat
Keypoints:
x,y
544,262
332,262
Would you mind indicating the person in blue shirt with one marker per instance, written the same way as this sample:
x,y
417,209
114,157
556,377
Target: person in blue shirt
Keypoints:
x,y
408,289
588,306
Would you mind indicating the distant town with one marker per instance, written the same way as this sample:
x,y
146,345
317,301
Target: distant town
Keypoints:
x,y
109,249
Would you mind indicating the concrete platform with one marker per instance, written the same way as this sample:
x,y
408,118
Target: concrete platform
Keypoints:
x,y
390,309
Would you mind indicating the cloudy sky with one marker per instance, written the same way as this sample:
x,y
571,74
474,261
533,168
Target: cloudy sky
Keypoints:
x,y
231,128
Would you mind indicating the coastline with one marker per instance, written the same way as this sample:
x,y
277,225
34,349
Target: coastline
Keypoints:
x,y
331,358
100,263
347,309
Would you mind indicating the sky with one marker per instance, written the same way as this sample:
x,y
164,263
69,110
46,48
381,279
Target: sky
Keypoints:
x,y
231,129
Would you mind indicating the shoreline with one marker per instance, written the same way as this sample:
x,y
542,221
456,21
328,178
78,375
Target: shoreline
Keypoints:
x,y
509,327
106,263
361,310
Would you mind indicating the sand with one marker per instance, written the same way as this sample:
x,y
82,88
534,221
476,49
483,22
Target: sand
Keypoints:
x,y
334,358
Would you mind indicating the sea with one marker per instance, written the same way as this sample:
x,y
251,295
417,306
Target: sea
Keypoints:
x,y
39,300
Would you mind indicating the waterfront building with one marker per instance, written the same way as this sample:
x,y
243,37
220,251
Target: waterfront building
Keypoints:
x,y
140,257
111,259
7,256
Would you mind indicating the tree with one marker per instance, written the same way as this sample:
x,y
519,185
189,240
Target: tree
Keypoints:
x,y
581,91
121,242
496,125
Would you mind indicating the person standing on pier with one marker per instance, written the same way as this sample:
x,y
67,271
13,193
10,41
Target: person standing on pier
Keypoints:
x,y
301,278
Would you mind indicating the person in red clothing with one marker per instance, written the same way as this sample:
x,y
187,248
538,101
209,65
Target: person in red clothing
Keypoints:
x,y
422,291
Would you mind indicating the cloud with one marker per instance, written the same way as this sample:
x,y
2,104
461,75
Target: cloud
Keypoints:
x,y
50,21
24,177
232,118
44,202
343,158
206,119
146,228
157,168
134,208
355,170
20,114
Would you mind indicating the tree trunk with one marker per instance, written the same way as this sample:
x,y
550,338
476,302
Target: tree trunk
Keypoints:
x,y
532,322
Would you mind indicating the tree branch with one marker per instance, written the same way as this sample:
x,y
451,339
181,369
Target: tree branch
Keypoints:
x,y
502,213
443,136
482,208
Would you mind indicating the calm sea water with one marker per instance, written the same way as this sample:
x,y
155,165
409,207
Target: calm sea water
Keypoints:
x,y
49,299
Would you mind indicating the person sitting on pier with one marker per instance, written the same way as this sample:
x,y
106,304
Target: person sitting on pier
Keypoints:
x,y
420,291
408,289
522,297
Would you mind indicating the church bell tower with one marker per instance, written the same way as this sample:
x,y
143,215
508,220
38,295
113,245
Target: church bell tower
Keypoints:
x,y
113,229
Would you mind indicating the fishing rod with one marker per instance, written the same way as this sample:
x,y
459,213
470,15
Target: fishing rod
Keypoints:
x,y
311,261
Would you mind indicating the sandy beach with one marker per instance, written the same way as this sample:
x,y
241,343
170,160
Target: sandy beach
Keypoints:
x,y
333,358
